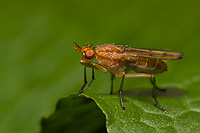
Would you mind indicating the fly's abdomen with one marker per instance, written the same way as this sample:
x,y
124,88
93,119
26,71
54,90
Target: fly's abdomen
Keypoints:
x,y
147,65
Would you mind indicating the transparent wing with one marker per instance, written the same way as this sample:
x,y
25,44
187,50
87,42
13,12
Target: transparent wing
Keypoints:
x,y
149,53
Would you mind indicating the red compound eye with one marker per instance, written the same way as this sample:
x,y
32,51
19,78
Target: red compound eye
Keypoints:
x,y
89,54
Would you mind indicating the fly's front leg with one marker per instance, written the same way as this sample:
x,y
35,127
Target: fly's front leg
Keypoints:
x,y
101,68
152,77
93,78
85,81
94,65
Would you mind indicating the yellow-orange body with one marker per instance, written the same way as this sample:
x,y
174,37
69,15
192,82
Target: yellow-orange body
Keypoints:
x,y
114,58
120,60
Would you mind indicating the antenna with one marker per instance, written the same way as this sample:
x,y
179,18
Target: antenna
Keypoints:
x,y
78,48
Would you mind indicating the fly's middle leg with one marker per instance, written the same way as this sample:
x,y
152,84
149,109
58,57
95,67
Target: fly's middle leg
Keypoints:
x,y
120,94
153,80
111,89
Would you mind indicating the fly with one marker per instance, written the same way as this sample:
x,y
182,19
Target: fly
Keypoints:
x,y
145,62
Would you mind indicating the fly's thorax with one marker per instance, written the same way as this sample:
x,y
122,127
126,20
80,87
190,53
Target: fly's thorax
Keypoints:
x,y
115,66
109,48
108,55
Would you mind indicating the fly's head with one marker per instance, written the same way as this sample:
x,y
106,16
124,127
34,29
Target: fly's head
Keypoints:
x,y
88,54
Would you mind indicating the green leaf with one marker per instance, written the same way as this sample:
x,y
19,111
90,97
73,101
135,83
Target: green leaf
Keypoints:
x,y
141,114
74,114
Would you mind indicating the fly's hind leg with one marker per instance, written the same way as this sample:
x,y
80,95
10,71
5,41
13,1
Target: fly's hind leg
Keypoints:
x,y
152,77
154,93
151,80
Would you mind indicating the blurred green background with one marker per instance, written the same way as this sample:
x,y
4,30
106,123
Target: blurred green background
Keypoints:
x,y
39,64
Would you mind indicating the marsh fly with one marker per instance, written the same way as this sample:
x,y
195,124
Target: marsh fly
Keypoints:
x,y
120,60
